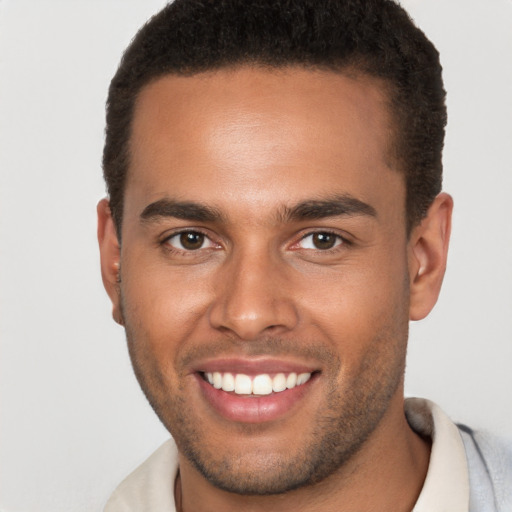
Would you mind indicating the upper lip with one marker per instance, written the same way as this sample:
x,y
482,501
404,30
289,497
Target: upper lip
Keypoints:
x,y
252,366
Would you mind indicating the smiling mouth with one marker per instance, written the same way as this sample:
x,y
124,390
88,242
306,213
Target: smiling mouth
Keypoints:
x,y
256,385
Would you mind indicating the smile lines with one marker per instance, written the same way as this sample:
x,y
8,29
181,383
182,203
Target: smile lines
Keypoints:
x,y
262,384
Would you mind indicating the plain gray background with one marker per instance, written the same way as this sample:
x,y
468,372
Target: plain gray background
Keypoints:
x,y
73,421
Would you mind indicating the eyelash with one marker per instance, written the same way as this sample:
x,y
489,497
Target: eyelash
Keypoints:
x,y
166,241
340,242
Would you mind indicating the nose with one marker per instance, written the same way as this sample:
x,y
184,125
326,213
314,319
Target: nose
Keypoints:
x,y
253,297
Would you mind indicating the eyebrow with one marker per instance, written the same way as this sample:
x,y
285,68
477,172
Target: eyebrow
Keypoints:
x,y
339,205
185,210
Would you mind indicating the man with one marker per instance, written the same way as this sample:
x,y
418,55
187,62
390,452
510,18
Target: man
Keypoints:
x,y
274,220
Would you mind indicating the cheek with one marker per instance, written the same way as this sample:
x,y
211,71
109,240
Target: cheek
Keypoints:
x,y
348,302
357,304
163,304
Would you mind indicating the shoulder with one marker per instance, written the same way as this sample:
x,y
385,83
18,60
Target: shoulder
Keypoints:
x,y
475,461
489,460
150,486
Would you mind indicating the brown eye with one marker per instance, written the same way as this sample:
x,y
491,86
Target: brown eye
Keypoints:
x,y
192,241
322,240
189,241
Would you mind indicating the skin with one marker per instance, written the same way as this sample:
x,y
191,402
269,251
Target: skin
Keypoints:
x,y
250,145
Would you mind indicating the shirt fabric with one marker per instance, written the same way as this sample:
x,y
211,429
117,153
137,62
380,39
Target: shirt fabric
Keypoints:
x,y
468,471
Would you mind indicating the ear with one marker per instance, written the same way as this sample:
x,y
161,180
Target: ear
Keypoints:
x,y
110,255
428,250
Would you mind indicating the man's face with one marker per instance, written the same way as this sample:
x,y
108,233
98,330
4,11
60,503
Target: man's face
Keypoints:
x,y
263,238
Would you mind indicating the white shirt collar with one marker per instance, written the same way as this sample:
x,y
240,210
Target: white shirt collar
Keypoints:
x,y
446,487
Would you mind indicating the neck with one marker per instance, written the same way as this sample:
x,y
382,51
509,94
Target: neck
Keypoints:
x,y
387,474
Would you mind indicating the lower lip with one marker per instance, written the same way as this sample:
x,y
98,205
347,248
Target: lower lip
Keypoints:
x,y
253,409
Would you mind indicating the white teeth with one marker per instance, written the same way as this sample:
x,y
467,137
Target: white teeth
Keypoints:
x,y
291,380
243,384
303,378
217,380
228,382
262,384
279,383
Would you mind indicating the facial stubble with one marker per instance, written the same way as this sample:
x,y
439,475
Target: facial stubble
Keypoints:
x,y
342,425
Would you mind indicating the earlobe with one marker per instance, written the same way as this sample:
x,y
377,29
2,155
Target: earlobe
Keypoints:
x,y
110,256
428,251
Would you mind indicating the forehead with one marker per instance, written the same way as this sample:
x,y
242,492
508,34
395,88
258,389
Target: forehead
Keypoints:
x,y
244,133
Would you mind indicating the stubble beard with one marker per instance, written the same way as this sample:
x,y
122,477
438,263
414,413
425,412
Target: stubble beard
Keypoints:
x,y
341,427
